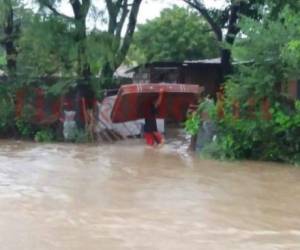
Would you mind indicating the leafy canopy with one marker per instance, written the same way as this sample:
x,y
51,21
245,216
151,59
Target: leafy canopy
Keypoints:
x,y
177,34
271,48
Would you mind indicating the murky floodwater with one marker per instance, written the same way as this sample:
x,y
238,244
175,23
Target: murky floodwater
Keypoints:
x,y
127,196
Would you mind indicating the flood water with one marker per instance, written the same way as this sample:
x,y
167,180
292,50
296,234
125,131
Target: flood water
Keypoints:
x,y
128,196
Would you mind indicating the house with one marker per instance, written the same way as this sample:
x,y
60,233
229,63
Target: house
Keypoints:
x,y
206,73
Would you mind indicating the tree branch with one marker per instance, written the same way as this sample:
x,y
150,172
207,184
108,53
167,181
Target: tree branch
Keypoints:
x,y
112,22
203,11
76,6
124,14
130,30
45,3
85,7
233,30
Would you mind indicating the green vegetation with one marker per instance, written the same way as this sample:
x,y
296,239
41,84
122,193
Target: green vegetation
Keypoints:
x,y
274,140
178,34
43,48
45,135
252,132
2,60
7,114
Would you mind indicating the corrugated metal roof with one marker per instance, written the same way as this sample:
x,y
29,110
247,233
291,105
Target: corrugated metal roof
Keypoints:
x,y
204,61
211,61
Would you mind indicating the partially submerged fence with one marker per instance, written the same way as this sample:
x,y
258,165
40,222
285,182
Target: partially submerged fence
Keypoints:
x,y
47,109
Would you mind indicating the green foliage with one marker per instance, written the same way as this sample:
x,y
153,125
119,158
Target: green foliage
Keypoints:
x,y
270,50
7,111
178,34
47,48
290,53
25,128
45,135
24,124
205,109
273,140
2,59
192,124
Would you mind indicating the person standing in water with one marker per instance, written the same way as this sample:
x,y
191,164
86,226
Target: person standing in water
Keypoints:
x,y
151,134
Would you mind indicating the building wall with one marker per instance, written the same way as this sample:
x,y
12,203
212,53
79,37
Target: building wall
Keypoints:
x,y
204,75
207,75
142,75
166,75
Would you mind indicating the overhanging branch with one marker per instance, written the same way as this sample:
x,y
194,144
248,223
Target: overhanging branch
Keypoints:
x,y
50,6
204,12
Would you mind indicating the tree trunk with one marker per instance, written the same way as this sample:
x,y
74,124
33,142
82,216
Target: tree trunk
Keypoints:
x,y
107,75
84,91
11,58
119,9
9,45
232,31
83,67
225,54
226,65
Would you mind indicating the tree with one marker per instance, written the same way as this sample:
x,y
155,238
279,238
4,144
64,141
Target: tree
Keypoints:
x,y
271,46
290,53
47,48
177,34
257,119
119,12
9,33
80,11
228,19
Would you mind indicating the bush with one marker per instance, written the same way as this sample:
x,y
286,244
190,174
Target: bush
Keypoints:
x,y
24,126
45,135
192,124
276,139
7,113
194,121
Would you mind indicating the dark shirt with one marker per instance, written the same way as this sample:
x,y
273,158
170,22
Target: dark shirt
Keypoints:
x,y
150,121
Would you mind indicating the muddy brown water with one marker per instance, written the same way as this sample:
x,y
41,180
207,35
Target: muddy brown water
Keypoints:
x,y
128,196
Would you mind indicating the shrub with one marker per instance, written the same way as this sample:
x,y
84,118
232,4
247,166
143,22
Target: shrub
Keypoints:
x,y
45,135
6,116
194,121
276,139
25,127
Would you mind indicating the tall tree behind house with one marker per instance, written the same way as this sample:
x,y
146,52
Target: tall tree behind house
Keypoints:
x,y
228,19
